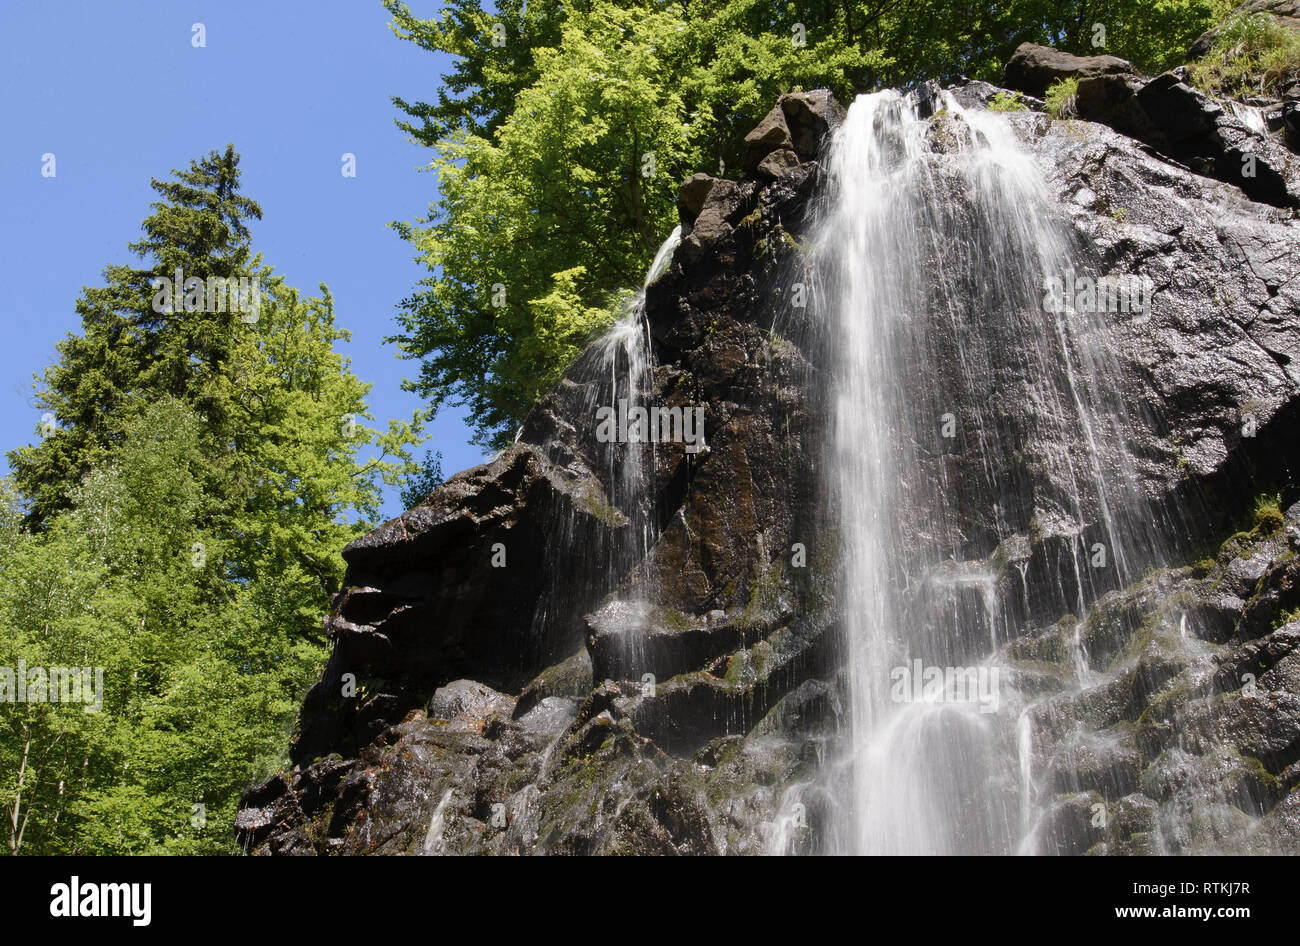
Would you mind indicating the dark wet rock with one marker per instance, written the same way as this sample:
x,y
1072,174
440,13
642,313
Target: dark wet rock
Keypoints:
x,y
1206,137
1134,826
777,163
796,127
1277,593
1086,824
1182,123
424,602
1258,657
569,678
1278,832
465,697
724,206
1109,768
811,118
978,94
1073,824
1169,115
630,639
551,714
1033,68
691,196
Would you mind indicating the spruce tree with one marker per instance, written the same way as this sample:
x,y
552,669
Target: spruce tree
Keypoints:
x,y
128,352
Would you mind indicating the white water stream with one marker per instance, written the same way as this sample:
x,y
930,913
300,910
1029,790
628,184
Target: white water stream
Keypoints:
x,y
950,371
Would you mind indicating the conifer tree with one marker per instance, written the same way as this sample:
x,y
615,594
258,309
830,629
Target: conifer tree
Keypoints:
x,y
131,349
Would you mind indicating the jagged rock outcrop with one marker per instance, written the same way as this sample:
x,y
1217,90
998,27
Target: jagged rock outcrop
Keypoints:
x,y
424,602
1169,115
583,700
1193,743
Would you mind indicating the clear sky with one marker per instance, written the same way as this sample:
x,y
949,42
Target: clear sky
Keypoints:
x,y
116,90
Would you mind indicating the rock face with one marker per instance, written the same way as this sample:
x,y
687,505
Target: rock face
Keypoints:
x,y
796,126
1183,124
423,603
578,698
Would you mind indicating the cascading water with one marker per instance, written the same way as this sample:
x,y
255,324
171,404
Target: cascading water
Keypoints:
x,y
616,373
977,424
626,361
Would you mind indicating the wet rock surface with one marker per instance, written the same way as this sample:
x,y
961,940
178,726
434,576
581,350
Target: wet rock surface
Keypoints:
x,y
684,699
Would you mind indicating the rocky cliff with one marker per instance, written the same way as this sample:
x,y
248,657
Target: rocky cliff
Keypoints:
x,y
533,661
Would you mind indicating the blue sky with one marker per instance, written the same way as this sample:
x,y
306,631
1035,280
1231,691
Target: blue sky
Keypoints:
x,y
118,93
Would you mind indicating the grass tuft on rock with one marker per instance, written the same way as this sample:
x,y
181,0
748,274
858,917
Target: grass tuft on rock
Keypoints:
x,y
1062,98
1251,55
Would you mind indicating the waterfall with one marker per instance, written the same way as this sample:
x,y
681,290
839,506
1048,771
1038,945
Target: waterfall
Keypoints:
x,y
962,362
616,372
1249,115
625,362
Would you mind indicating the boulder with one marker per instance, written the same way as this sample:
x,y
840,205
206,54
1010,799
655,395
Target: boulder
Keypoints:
x,y
1182,123
628,640
691,196
468,698
770,134
777,163
810,117
725,204
1033,68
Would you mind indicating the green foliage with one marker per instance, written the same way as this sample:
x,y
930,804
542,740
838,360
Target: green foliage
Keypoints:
x,y
1251,53
539,224
200,673
561,133
1062,98
181,530
126,346
1007,102
1153,35
1267,513
425,481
